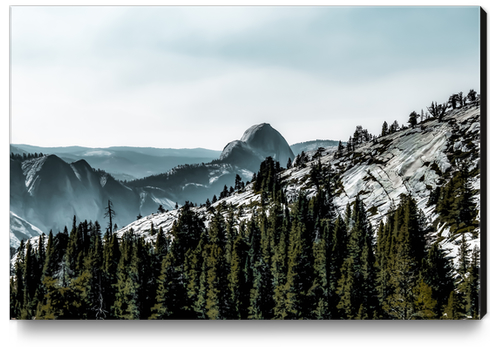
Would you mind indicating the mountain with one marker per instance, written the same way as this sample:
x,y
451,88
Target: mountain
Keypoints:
x,y
414,162
48,191
199,182
125,163
309,146
21,229
387,228
257,143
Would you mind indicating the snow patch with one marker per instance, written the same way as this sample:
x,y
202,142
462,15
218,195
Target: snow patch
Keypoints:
x,y
20,229
76,172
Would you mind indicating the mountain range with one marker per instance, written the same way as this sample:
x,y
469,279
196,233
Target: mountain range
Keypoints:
x,y
387,227
125,163
47,192
417,162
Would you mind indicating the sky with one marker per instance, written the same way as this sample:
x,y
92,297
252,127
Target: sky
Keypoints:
x,y
186,77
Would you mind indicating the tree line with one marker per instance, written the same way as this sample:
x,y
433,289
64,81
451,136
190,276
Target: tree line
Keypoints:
x,y
299,260
25,156
438,111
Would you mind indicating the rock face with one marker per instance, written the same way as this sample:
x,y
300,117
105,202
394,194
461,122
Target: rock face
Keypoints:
x,y
258,142
411,162
21,229
48,192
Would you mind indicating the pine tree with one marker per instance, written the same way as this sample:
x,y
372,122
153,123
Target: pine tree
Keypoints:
x,y
109,212
293,286
239,278
319,289
471,95
454,309
407,249
168,301
19,284
238,182
356,286
412,119
94,264
437,273
463,259
340,149
213,299
193,263
336,259
382,262
127,302
279,267
384,129
472,286
29,285
424,303
111,255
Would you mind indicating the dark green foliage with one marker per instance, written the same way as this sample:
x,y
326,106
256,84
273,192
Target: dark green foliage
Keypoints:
x,y
434,196
286,261
413,280
301,160
453,101
455,205
437,111
239,184
356,286
437,273
110,213
267,180
471,287
471,95
454,308
25,156
384,129
394,127
412,119
424,302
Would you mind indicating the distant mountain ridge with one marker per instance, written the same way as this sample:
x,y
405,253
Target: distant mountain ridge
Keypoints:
x,y
313,145
45,191
48,191
125,163
415,161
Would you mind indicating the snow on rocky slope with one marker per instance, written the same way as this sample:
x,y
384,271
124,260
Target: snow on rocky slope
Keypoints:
x,y
411,161
21,229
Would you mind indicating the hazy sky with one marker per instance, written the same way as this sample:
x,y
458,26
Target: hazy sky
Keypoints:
x,y
200,76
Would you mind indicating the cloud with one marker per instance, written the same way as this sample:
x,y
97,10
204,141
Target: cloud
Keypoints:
x,y
199,76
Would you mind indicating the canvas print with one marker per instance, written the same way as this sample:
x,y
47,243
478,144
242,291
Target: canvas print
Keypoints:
x,y
319,163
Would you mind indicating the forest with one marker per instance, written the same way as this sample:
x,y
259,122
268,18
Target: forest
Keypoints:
x,y
287,260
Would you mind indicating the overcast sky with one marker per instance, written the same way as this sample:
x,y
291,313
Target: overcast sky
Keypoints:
x,y
185,77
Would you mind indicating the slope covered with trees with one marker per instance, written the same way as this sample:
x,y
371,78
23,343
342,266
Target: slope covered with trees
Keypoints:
x,y
329,237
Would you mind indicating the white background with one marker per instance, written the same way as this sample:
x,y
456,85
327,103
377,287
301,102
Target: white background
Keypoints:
x,y
76,333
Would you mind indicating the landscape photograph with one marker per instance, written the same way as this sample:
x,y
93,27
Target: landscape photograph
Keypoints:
x,y
247,163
